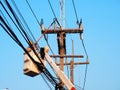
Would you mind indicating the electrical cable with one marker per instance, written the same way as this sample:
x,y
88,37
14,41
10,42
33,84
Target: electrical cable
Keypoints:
x,y
8,32
4,17
54,13
86,68
82,45
46,81
52,8
46,37
32,12
47,74
12,19
23,19
23,33
75,12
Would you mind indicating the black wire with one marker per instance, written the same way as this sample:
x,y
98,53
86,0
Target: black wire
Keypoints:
x,y
84,48
11,19
52,8
3,19
75,12
46,81
46,72
10,32
23,33
23,19
33,12
6,30
86,68
19,43
54,13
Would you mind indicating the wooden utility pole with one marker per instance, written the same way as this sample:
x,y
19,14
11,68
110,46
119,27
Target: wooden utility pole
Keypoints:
x,y
61,39
72,65
61,47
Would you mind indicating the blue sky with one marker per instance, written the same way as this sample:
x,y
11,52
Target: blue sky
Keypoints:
x,y
101,22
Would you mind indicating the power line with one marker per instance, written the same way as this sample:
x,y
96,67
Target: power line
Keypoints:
x,y
23,19
41,67
53,13
75,12
32,12
12,20
22,31
86,68
46,81
52,8
14,37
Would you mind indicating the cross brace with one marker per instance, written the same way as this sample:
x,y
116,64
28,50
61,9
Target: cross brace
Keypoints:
x,y
53,31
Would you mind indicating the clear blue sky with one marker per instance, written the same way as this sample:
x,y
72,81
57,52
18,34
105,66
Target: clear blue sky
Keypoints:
x,y
101,22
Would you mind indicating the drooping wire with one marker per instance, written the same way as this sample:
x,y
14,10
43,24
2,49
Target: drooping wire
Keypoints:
x,y
46,72
6,30
54,13
23,19
22,31
12,20
46,39
32,12
75,12
46,81
86,68
5,18
52,8
34,52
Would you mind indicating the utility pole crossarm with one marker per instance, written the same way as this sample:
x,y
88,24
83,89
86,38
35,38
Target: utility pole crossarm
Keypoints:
x,y
75,63
53,31
67,56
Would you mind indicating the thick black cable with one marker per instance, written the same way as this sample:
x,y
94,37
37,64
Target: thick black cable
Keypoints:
x,y
46,73
12,19
5,22
2,15
16,18
23,19
41,67
46,81
50,78
32,12
20,26
6,30
75,12
20,44
9,31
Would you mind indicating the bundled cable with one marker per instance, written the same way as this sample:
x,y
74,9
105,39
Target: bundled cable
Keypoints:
x,y
23,20
11,33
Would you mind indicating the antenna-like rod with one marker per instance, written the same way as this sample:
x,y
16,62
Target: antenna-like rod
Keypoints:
x,y
62,13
